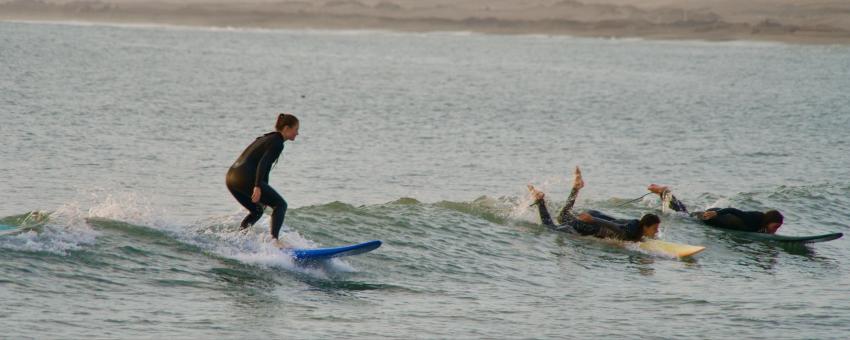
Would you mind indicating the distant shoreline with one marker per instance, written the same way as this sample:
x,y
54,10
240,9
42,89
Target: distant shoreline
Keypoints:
x,y
644,24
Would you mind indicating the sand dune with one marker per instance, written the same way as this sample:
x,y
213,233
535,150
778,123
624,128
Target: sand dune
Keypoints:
x,y
803,21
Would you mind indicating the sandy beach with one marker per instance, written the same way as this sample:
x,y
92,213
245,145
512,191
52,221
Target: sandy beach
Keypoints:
x,y
801,21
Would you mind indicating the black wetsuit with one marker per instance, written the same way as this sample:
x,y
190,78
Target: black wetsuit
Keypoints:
x,y
603,226
252,169
727,218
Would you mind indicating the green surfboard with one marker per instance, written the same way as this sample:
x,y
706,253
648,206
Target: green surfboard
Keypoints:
x,y
788,239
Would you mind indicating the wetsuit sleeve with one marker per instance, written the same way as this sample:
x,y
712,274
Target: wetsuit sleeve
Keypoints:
x,y
726,219
568,206
673,203
265,166
731,218
545,218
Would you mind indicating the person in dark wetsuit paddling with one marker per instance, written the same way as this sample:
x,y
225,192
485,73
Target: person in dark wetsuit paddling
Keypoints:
x,y
727,218
248,177
593,222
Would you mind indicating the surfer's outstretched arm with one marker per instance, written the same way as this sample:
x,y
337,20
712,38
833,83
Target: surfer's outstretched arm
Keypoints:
x,y
539,200
667,196
729,218
703,215
578,183
753,221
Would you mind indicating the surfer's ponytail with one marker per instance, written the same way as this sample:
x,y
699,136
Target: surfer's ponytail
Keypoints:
x,y
285,119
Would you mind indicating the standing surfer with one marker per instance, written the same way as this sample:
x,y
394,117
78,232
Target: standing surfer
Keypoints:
x,y
247,178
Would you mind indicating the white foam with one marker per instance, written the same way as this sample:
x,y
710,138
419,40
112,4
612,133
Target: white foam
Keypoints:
x,y
207,28
125,207
524,210
65,230
221,236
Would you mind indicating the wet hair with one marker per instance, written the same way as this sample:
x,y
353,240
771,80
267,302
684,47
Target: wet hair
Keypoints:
x,y
772,216
648,220
285,119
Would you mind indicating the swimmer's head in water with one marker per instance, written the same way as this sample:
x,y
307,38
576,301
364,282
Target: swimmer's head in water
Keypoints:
x,y
287,124
649,224
772,221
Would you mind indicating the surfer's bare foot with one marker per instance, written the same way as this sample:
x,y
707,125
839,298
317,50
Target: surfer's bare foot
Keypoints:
x,y
280,244
578,183
536,194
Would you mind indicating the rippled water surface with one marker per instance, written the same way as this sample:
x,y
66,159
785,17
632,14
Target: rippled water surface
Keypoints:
x,y
114,142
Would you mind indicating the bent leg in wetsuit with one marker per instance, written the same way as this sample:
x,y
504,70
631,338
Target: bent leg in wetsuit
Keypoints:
x,y
268,197
567,221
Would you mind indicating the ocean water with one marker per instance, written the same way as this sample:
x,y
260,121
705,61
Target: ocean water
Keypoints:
x,y
114,142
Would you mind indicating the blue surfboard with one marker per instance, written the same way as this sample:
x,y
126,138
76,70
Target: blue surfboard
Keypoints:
x,y
301,254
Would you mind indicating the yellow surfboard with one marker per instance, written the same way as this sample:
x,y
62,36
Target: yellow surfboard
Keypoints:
x,y
669,248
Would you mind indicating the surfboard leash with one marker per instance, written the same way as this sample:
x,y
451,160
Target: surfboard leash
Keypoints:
x,y
636,199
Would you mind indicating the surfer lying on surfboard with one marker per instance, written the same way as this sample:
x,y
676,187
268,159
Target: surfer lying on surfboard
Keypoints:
x,y
728,218
594,222
248,177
